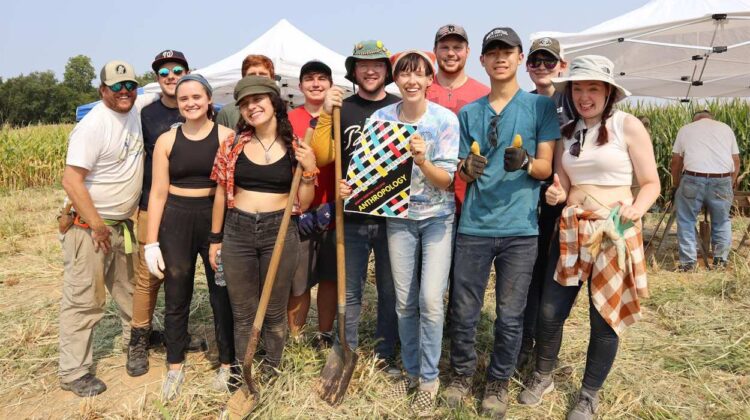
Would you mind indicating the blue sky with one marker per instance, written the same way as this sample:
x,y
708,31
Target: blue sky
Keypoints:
x,y
43,34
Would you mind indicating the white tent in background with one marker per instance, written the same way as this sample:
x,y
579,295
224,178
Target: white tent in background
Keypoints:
x,y
673,48
288,48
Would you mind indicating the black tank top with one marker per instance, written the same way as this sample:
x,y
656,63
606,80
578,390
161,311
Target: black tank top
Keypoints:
x,y
272,178
191,161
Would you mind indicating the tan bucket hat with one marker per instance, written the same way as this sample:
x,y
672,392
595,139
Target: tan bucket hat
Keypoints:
x,y
591,67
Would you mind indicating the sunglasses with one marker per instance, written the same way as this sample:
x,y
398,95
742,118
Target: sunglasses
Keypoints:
x,y
129,86
548,63
575,148
176,70
492,132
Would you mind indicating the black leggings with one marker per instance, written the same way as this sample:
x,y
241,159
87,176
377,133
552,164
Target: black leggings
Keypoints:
x,y
557,301
183,235
249,239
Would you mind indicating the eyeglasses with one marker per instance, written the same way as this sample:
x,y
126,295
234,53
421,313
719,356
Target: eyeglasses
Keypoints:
x,y
580,136
535,63
492,132
176,70
129,86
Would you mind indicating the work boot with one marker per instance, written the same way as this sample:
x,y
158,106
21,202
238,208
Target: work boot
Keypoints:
x,y
196,344
719,264
495,400
585,407
458,388
87,385
537,386
686,268
137,363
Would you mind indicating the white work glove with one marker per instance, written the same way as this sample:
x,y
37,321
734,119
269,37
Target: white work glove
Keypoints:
x,y
154,260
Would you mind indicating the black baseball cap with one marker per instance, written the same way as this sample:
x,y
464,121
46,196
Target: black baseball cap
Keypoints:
x,y
315,66
501,35
169,56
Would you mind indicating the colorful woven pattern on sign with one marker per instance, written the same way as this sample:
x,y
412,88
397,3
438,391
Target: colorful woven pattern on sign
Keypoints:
x,y
380,169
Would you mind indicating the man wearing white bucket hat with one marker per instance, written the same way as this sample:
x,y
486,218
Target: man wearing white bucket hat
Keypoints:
x,y
600,233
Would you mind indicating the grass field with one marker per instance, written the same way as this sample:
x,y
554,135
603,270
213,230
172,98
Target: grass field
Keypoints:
x,y
689,358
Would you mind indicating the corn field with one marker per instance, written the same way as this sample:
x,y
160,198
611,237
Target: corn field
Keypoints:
x,y
34,156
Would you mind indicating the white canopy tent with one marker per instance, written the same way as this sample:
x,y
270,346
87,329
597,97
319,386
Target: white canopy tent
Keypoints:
x,y
288,48
673,48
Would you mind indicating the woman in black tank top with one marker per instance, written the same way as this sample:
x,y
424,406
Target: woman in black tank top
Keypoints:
x,y
254,174
179,212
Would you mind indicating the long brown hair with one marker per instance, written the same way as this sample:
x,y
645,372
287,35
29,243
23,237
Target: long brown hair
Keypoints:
x,y
602,137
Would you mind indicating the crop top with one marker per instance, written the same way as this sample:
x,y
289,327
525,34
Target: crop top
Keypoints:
x,y
608,164
191,161
275,177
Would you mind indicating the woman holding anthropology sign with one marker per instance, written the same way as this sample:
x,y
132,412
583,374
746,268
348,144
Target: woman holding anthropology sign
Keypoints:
x,y
425,235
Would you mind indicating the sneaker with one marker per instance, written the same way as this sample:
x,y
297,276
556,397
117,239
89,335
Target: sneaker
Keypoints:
x,y
686,268
137,362
537,386
719,264
170,389
323,341
495,399
87,385
424,401
403,387
222,379
457,390
389,367
585,406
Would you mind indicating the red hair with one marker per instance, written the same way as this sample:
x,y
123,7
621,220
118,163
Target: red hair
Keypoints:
x,y
258,60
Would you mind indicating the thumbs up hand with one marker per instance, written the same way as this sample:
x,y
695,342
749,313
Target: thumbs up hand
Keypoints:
x,y
555,193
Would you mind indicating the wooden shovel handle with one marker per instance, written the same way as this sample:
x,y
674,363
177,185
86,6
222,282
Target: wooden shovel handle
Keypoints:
x,y
340,257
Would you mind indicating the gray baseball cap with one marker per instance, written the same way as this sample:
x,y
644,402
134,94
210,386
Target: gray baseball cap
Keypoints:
x,y
117,71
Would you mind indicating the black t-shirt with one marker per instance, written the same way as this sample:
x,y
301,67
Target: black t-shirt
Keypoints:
x,y
354,111
156,119
563,105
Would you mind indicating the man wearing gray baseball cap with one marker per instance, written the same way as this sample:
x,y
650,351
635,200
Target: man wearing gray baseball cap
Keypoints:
x,y
102,178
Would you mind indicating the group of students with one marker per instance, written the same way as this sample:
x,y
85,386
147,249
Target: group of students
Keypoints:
x,y
537,184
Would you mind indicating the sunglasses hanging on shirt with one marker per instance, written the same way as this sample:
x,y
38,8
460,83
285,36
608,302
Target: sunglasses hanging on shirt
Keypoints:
x,y
580,136
492,132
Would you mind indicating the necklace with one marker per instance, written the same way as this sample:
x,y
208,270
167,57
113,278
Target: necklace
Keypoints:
x,y
266,149
402,117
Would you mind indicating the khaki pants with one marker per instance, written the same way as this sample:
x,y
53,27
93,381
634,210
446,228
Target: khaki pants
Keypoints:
x,y
146,285
87,273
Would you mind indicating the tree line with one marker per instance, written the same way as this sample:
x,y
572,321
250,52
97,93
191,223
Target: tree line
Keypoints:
x,y
40,98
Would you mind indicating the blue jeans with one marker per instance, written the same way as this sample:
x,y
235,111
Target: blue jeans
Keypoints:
x,y
421,254
694,193
362,236
514,261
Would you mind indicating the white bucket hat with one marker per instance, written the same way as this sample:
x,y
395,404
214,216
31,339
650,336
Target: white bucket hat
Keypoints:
x,y
591,67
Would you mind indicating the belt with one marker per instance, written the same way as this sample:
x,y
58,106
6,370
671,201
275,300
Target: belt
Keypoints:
x,y
702,175
126,230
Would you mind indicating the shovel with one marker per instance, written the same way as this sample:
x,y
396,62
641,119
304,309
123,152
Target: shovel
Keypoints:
x,y
244,399
336,374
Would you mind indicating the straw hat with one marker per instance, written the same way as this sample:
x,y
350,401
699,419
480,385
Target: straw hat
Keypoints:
x,y
591,67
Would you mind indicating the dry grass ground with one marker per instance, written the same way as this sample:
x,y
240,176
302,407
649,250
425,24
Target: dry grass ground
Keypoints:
x,y
689,358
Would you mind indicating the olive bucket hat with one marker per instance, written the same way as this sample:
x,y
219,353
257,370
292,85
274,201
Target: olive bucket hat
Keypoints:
x,y
369,50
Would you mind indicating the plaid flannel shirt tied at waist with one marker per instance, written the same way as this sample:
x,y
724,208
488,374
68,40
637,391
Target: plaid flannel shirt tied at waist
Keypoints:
x,y
590,246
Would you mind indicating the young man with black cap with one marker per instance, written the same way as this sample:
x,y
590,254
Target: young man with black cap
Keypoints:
x,y
102,179
544,62
317,258
156,118
370,69
515,132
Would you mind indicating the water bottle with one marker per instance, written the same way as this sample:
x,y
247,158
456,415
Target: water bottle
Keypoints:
x,y
219,274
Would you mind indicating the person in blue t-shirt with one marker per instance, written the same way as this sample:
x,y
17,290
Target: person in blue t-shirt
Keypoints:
x,y
499,219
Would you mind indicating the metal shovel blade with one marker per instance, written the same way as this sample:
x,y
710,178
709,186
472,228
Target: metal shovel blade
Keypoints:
x,y
336,374
240,405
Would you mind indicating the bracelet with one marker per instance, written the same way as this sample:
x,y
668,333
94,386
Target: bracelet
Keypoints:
x,y
215,238
309,179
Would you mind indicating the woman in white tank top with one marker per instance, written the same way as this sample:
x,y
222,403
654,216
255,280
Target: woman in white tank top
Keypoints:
x,y
600,233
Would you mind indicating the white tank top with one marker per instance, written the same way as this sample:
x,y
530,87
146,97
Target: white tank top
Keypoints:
x,y
608,164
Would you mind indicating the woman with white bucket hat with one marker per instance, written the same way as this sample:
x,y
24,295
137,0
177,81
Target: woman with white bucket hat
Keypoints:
x,y
600,229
